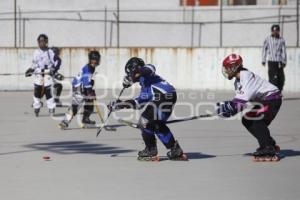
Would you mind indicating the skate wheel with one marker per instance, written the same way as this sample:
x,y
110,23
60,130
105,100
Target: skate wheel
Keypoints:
x,y
258,159
184,157
277,148
149,159
275,158
268,159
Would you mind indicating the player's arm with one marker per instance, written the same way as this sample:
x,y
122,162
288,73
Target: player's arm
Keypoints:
x,y
239,103
136,103
283,51
264,52
34,65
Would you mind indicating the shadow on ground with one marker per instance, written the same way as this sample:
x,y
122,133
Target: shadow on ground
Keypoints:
x,y
77,147
198,155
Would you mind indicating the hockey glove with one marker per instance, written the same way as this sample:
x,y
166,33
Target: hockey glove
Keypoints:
x,y
29,72
226,109
59,76
127,82
52,71
118,105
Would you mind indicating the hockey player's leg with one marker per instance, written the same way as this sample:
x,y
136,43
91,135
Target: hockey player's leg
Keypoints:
x,y
37,99
150,152
281,78
57,92
49,99
87,111
267,146
72,112
166,137
273,73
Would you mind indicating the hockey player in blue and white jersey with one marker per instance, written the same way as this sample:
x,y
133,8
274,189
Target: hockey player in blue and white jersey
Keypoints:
x,y
158,97
266,98
83,92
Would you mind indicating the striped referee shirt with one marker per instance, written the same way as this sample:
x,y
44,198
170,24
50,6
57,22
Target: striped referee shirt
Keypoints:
x,y
274,50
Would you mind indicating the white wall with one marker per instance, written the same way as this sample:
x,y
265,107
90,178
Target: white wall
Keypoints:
x,y
185,68
89,34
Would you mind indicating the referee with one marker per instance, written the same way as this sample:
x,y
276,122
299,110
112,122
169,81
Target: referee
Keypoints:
x,y
274,52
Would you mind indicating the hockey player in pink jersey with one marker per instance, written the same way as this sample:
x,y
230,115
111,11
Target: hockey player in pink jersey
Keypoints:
x,y
267,98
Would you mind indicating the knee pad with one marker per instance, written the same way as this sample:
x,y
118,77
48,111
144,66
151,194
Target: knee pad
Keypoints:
x,y
38,91
48,92
146,126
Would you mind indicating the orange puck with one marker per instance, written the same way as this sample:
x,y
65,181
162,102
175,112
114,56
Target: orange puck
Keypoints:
x,y
46,157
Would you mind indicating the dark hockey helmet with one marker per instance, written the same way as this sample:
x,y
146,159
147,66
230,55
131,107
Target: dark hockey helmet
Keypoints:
x,y
43,36
132,67
94,55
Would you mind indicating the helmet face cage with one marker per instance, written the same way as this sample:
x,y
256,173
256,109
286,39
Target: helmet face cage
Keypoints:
x,y
228,72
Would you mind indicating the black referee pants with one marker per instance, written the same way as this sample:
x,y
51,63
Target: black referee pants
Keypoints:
x,y
276,74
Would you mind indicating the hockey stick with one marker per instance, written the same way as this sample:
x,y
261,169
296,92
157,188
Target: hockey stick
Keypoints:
x,y
103,125
98,111
11,74
136,125
20,74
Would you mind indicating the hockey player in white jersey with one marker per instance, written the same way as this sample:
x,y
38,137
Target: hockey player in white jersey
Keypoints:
x,y
43,68
267,98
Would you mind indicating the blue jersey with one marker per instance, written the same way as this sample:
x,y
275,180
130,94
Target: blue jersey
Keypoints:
x,y
152,86
84,78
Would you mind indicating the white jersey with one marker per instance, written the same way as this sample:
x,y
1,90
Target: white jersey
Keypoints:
x,y
41,63
251,87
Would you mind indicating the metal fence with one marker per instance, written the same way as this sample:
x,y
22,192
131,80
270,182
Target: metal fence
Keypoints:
x,y
191,27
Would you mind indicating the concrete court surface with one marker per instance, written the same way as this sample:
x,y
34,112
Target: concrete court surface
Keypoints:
x,y
83,167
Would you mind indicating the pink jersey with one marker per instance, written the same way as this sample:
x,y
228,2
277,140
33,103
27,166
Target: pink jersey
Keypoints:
x,y
251,87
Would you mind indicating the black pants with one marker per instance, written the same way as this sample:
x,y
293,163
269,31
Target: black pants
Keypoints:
x,y
259,118
88,107
57,91
40,90
276,74
153,121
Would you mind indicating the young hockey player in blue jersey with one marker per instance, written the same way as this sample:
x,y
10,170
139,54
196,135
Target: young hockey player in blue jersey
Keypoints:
x,y
83,92
159,97
267,98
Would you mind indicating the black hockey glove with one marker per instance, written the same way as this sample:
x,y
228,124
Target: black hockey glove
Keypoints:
x,y
59,76
118,105
127,82
29,72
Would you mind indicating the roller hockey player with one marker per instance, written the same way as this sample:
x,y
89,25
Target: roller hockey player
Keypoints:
x,y
83,93
250,87
159,97
57,77
43,68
